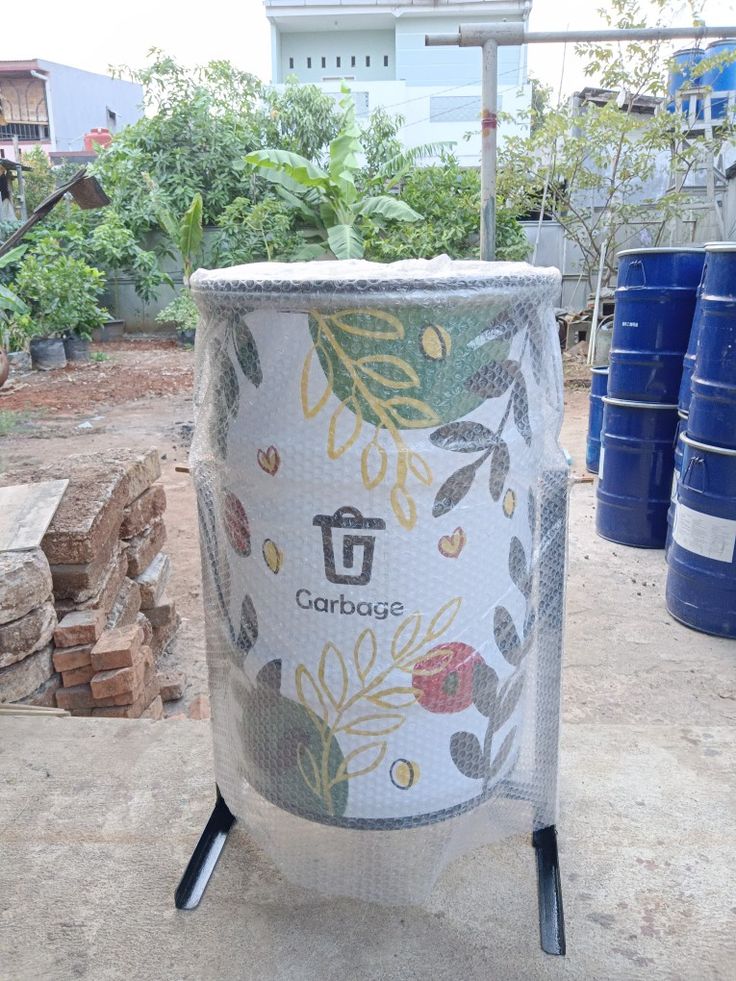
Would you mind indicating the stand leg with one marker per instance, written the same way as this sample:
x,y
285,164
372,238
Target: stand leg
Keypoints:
x,y
549,891
204,857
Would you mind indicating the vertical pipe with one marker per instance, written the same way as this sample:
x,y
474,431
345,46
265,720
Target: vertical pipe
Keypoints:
x,y
489,124
21,181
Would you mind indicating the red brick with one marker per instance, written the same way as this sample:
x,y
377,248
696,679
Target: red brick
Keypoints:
x,y
122,686
134,709
69,658
79,697
145,547
155,710
200,708
80,627
143,511
117,648
78,676
118,681
171,685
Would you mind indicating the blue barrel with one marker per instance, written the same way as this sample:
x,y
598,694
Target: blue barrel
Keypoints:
x,y
635,472
683,74
713,385
655,302
598,388
722,77
701,560
679,446
688,362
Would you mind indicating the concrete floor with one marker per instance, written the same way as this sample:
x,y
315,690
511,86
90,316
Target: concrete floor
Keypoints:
x,y
98,819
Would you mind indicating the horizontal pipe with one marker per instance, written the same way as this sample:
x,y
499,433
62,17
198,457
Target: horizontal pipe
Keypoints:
x,y
476,35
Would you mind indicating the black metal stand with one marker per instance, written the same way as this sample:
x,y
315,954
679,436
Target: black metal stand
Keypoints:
x,y
204,857
549,892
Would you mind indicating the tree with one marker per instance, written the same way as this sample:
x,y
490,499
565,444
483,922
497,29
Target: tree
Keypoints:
x,y
597,160
39,180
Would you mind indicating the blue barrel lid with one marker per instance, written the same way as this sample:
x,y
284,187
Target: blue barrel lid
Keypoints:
x,y
720,247
684,51
663,251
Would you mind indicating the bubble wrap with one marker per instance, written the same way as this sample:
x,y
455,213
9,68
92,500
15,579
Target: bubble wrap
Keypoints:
x,y
382,509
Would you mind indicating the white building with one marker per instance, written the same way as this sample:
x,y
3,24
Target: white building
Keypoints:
x,y
377,47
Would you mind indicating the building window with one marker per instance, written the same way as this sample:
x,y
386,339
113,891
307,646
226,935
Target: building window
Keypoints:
x,y
291,62
352,61
309,62
337,62
112,119
324,63
367,61
24,131
385,61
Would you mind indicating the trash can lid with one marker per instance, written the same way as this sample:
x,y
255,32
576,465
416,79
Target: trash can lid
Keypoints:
x,y
358,276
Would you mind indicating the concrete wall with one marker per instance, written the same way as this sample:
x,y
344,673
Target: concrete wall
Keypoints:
x,y
448,66
80,100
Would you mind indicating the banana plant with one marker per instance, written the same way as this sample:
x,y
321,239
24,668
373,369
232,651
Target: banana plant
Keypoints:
x,y
327,199
185,233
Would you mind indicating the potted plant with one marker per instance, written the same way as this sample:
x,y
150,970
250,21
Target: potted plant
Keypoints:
x,y
182,314
62,297
11,305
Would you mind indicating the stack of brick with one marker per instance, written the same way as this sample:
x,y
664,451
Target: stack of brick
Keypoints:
x,y
27,622
104,550
110,673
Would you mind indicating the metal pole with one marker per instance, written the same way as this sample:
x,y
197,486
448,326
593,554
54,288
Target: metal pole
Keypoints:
x,y
488,130
476,35
21,181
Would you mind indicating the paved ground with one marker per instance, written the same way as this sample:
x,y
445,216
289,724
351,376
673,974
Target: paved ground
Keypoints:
x,y
98,818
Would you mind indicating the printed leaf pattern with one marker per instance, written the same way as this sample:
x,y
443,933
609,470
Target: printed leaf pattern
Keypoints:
x,y
454,489
361,697
463,437
246,350
520,402
384,387
493,380
500,465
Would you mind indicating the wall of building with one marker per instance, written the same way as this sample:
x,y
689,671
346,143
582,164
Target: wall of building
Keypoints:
x,y
80,100
420,65
377,47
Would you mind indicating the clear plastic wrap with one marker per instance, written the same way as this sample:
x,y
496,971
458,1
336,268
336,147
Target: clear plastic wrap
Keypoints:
x,y
382,508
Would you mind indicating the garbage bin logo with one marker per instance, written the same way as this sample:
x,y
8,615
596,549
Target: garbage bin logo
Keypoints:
x,y
342,525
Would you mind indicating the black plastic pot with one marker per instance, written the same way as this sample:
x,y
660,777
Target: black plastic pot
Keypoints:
x,y
47,353
186,337
113,330
76,348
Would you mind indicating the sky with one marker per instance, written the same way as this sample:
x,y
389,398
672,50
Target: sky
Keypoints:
x,y
83,36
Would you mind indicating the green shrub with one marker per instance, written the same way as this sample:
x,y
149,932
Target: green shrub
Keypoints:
x,y
61,293
181,313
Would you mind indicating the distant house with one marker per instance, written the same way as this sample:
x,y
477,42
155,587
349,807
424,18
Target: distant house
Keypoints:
x,y
56,106
377,48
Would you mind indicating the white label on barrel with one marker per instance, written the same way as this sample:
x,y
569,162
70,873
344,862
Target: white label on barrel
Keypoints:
x,y
675,479
600,462
705,534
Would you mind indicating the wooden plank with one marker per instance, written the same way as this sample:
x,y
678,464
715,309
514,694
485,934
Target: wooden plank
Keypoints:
x,y
26,511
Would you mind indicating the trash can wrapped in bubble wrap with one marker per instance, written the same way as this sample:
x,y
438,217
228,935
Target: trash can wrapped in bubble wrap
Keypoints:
x,y
382,519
